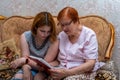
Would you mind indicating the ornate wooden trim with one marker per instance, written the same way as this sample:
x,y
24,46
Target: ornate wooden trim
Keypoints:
x,y
2,17
110,47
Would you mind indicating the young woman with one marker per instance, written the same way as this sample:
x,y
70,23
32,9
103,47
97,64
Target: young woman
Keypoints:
x,y
36,42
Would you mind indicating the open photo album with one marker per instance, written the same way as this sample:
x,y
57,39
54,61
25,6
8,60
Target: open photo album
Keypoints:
x,y
41,62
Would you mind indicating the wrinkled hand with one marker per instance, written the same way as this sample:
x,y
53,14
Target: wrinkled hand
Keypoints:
x,y
58,74
17,63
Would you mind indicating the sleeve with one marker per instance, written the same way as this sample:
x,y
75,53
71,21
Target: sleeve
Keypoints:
x,y
60,35
28,35
91,47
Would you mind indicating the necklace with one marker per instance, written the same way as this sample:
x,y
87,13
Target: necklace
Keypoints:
x,y
37,46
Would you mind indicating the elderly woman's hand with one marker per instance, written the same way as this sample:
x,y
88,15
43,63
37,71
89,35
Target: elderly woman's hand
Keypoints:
x,y
59,73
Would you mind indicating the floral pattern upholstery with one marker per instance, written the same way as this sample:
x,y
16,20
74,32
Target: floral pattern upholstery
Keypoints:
x,y
7,74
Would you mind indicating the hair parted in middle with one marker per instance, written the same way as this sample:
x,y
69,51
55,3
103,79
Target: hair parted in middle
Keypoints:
x,y
44,19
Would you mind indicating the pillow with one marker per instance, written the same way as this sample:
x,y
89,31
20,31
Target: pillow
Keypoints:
x,y
8,53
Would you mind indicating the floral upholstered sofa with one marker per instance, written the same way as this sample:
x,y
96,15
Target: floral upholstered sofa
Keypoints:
x,y
14,26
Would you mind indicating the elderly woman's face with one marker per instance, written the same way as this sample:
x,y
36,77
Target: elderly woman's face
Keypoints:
x,y
67,25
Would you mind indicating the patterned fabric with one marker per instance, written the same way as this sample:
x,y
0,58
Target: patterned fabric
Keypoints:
x,y
108,72
7,74
85,76
8,53
110,66
105,75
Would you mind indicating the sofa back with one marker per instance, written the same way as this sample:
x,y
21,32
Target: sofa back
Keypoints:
x,y
14,26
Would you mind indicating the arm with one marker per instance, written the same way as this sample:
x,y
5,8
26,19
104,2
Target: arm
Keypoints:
x,y
86,67
52,53
24,46
25,51
62,72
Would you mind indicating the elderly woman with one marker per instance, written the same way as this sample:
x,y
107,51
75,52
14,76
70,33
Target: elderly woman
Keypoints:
x,y
78,48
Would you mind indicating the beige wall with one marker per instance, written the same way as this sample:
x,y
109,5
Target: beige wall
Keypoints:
x,y
108,9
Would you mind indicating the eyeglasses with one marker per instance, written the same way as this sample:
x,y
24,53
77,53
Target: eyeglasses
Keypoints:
x,y
65,24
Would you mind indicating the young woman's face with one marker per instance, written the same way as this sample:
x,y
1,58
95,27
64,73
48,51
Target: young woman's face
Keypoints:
x,y
43,32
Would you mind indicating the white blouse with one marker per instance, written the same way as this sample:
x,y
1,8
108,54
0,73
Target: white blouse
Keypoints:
x,y
86,47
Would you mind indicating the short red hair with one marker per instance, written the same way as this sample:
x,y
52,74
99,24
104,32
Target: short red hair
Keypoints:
x,y
70,12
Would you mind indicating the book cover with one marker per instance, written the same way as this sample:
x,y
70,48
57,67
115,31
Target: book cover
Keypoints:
x,y
41,62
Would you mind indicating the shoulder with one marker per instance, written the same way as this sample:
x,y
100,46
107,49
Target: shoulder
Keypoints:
x,y
88,32
62,35
27,35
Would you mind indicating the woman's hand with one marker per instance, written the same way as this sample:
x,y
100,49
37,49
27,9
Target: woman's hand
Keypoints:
x,y
58,74
18,62
27,75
